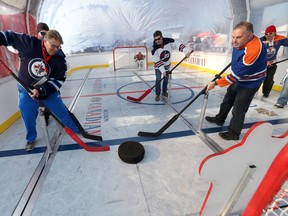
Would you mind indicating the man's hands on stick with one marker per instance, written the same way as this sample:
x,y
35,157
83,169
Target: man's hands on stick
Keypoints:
x,y
34,94
210,86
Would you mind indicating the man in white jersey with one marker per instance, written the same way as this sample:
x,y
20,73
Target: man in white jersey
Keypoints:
x,y
162,50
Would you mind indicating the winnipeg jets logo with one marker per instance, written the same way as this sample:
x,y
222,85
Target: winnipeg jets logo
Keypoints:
x,y
165,56
38,69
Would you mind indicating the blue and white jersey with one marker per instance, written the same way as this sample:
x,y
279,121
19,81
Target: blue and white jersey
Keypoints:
x,y
162,54
33,68
249,64
273,46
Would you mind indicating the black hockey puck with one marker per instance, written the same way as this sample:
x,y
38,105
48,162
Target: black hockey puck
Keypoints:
x,y
131,152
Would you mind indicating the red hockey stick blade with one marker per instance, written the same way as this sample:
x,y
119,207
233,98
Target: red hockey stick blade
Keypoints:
x,y
84,145
149,90
141,97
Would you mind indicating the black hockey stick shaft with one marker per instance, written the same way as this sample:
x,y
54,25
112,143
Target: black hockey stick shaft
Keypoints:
x,y
175,117
170,71
82,131
280,61
38,100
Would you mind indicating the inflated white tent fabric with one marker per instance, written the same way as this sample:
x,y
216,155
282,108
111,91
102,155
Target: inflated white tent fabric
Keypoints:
x,y
106,23
110,23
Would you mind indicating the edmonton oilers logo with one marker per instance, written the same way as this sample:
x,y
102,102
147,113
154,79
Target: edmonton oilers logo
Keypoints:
x,y
270,52
38,69
165,56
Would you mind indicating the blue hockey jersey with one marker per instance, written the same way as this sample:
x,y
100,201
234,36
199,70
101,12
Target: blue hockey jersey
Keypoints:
x,y
273,46
33,68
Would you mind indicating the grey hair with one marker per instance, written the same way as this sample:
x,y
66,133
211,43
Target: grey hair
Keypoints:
x,y
54,34
247,25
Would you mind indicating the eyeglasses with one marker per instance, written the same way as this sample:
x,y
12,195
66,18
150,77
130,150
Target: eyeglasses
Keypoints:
x,y
42,33
53,45
270,33
156,39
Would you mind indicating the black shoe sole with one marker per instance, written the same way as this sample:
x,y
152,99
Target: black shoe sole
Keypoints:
x,y
227,136
213,120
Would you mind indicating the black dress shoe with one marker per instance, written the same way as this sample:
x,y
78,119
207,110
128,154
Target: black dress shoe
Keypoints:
x,y
214,120
228,136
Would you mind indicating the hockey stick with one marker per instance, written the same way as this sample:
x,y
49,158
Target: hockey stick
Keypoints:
x,y
175,117
285,76
149,90
66,129
82,131
280,61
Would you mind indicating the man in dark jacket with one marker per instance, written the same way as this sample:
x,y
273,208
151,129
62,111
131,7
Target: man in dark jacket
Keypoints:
x,y
43,71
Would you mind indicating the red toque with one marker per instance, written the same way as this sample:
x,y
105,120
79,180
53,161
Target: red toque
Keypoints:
x,y
270,28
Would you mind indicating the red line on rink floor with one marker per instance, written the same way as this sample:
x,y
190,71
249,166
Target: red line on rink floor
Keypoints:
x,y
128,92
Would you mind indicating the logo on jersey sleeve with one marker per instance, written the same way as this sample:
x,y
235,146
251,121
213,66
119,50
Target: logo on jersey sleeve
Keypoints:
x,y
38,69
165,56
